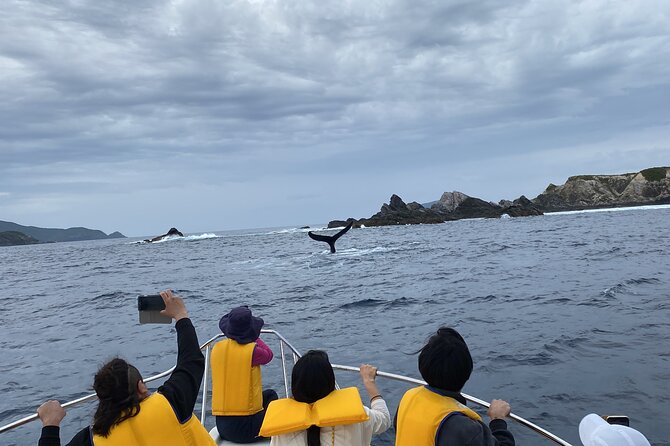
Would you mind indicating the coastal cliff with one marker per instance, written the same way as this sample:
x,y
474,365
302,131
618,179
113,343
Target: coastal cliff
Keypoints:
x,y
649,186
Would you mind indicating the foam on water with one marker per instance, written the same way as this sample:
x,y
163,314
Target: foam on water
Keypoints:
x,y
205,236
175,238
629,208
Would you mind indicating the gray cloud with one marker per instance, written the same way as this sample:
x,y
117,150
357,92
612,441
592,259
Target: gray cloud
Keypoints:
x,y
318,110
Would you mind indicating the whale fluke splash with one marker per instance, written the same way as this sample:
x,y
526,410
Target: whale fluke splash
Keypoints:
x,y
170,233
330,239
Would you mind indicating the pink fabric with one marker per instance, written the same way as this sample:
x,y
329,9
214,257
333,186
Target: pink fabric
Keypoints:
x,y
262,353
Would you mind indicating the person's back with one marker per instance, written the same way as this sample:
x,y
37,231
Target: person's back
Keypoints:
x,y
436,414
238,399
320,415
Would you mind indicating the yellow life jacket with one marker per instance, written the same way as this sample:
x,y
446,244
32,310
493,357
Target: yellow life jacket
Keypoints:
x,y
156,423
339,407
421,413
236,385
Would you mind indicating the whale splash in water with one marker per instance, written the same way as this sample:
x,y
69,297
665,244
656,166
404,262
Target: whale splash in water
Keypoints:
x,y
173,232
330,239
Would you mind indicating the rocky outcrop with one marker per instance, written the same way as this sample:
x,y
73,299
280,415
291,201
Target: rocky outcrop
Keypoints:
x,y
58,235
13,238
649,186
521,207
449,201
396,212
451,206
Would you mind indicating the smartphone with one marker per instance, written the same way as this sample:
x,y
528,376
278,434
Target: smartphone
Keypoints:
x,y
617,419
150,307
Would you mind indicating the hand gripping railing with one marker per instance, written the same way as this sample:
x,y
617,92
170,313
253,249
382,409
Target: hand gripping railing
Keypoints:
x,y
207,346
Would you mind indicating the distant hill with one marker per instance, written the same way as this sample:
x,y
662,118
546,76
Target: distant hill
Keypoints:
x,y
58,235
12,238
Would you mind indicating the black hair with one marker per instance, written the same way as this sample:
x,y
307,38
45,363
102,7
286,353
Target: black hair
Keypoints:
x,y
445,361
116,387
312,378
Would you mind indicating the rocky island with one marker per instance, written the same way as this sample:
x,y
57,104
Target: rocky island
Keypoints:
x,y
649,186
451,206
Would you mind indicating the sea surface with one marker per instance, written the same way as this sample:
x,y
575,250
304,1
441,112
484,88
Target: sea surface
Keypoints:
x,y
564,314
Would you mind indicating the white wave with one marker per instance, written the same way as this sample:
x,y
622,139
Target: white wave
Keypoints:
x,y
206,235
187,238
295,230
630,208
355,252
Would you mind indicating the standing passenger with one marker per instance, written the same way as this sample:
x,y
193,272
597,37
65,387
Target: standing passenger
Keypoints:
x,y
435,414
238,398
320,415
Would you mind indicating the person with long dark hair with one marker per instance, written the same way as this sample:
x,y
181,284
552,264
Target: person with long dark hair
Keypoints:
x,y
436,414
320,415
128,413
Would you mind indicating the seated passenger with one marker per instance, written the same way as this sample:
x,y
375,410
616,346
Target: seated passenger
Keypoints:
x,y
320,415
238,398
435,414
127,413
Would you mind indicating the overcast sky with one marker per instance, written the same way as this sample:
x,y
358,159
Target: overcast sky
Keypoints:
x,y
209,115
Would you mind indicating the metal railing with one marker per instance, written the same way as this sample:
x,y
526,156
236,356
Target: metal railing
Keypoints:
x,y
207,347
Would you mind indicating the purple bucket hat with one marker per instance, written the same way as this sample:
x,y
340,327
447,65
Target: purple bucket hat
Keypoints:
x,y
240,325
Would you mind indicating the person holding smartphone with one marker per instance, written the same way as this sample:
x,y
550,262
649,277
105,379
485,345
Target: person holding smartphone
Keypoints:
x,y
127,412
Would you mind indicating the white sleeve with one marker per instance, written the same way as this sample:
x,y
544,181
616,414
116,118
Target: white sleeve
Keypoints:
x,y
380,418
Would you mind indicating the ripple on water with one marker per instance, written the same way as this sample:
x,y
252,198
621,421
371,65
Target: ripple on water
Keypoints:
x,y
564,315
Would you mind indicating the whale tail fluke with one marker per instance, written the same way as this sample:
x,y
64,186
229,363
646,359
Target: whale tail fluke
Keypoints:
x,y
330,239
323,238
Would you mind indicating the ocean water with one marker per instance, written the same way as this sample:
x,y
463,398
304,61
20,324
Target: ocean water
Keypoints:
x,y
564,314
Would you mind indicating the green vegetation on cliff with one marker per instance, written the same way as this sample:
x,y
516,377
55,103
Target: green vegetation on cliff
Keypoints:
x,y
654,173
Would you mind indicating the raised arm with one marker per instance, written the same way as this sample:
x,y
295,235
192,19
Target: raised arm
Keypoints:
x,y
380,418
262,353
181,389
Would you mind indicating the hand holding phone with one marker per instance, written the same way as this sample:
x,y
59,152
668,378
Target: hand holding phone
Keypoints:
x,y
174,306
150,308
617,419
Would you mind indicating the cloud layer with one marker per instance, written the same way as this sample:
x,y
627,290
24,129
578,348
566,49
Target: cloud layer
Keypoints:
x,y
211,115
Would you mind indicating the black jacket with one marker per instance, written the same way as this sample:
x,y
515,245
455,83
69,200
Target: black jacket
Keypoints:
x,y
180,389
